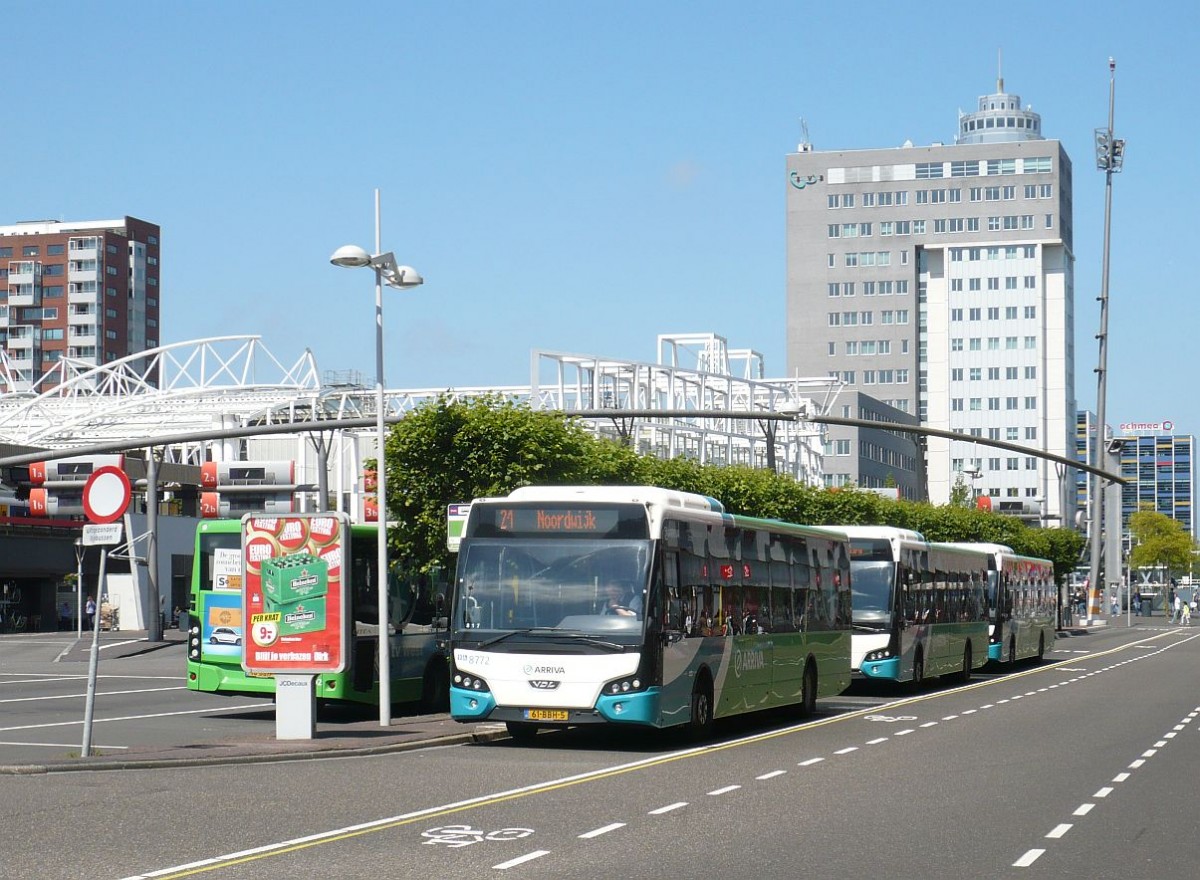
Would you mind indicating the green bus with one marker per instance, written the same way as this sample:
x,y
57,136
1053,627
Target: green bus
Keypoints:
x,y
215,627
641,606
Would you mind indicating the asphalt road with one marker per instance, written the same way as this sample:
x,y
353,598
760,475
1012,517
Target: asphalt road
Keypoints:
x,y
1079,767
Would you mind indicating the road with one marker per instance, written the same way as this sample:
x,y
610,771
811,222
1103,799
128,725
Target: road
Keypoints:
x,y
1079,767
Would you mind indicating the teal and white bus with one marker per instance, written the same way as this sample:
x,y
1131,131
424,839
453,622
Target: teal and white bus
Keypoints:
x,y
920,608
1022,598
643,606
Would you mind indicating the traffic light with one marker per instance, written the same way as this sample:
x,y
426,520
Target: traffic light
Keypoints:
x,y
56,487
234,488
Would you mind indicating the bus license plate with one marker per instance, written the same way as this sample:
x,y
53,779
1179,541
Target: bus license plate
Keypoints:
x,y
546,714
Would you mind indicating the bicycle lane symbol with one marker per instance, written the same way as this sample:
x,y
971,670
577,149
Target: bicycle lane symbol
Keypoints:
x,y
455,836
889,719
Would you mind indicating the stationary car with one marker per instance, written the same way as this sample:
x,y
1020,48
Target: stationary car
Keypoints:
x,y
224,635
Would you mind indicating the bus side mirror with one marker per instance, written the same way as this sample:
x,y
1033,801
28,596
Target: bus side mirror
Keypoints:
x,y
671,636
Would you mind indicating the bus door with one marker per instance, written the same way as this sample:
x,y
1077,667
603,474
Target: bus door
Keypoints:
x,y
678,649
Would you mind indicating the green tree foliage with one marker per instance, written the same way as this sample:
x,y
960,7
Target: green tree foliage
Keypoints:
x,y
447,452
1159,541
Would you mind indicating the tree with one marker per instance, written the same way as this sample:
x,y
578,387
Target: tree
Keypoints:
x,y
960,493
454,451
1159,541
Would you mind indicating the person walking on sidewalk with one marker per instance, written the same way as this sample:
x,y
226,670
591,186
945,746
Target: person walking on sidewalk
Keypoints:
x,y
1185,614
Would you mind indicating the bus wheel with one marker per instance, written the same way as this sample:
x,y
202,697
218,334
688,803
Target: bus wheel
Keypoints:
x,y
918,672
435,690
808,698
965,675
521,731
702,708
1041,648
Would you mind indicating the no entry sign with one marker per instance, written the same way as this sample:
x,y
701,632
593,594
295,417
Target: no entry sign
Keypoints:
x,y
106,494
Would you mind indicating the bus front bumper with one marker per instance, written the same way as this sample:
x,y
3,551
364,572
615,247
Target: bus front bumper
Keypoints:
x,y
888,669
630,708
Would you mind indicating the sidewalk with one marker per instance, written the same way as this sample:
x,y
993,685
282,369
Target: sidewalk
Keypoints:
x,y
340,731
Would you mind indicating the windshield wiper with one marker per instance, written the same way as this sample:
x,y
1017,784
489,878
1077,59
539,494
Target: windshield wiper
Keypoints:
x,y
876,628
515,632
554,631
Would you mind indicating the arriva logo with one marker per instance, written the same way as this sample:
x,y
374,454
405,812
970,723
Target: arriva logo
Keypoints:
x,y
530,669
745,661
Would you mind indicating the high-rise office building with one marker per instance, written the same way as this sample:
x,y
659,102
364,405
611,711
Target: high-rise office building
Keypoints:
x,y
87,290
1158,465
940,280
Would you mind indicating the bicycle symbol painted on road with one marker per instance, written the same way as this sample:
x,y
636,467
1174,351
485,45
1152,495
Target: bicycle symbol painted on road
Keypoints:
x,y
889,719
455,836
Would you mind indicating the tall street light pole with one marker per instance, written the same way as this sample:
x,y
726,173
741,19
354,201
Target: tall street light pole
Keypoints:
x,y
402,278
1110,155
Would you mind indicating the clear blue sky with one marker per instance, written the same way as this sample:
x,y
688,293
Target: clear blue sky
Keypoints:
x,y
573,177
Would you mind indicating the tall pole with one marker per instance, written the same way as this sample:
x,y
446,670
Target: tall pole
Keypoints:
x,y
154,598
385,648
1109,156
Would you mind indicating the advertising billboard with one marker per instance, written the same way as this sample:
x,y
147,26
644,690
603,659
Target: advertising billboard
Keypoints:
x,y
295,601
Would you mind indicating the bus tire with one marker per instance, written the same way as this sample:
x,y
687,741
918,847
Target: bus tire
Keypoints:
x,y
521,731
965,675
918,676
808,696
435,689
701,721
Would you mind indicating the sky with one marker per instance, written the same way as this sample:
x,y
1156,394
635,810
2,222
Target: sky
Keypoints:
x,y
574,177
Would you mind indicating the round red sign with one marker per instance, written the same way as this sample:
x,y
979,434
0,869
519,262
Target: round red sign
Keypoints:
x,y
106,494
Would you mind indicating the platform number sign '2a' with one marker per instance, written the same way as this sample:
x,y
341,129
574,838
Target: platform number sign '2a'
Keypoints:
x,y
294,598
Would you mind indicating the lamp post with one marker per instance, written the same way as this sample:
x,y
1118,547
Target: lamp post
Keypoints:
x,y
401,277
1110,155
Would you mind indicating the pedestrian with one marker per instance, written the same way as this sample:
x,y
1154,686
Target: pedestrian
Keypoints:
x,y
1116,608
89,611
1175,609
64,616
1137,604
1185,614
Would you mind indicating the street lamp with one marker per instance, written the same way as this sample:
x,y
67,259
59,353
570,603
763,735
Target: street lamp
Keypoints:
x,y
401,277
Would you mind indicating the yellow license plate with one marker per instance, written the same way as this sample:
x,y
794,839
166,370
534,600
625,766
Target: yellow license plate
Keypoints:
x,y
546,714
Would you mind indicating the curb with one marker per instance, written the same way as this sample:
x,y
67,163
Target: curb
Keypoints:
x,y
279,757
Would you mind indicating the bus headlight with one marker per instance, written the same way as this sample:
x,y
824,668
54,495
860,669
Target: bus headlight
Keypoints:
x,y
881,654
470,682
623,686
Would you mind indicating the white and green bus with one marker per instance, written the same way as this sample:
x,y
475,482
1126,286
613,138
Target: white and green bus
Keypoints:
x,y
1022,603
920,608
643,606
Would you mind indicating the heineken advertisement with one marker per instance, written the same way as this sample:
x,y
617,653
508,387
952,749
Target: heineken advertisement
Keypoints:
x,y
294,601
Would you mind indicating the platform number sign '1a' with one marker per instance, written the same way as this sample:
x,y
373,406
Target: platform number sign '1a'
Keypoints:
x,y
106,494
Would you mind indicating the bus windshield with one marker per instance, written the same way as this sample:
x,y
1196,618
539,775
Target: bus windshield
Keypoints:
x,y
872,582
593,587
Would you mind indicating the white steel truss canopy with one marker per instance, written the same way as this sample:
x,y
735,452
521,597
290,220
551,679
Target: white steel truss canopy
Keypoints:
x,y
173,389
234,382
